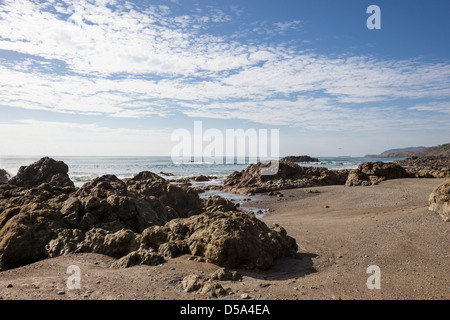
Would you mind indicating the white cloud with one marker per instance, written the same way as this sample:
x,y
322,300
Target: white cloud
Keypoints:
x,y
441,107
120,61
33,137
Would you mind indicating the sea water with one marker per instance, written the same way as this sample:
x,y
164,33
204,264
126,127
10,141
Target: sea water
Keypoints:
x,y
83,169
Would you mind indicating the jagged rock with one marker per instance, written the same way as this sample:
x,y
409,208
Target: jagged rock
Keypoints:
x,y
139,221
4,176
192,282
229,239
213,289
115,244
371,173
218,203
46,170
180,201
382,169
139,257
439,200
289,175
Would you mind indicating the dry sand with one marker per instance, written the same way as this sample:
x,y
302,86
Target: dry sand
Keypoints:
x,y
340,232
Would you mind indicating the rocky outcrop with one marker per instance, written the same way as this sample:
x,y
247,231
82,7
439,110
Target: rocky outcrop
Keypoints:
x,y
439,200
142,220
289,175
300,159
42,216
217,203
229,239
4,176
46,170
370,173
426,167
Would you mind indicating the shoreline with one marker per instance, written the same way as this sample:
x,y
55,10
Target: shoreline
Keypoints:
x,y
388,225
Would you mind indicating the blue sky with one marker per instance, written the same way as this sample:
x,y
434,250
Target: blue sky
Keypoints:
x,y
118,77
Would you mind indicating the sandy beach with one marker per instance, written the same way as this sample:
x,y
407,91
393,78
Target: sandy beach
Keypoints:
x,y
340,232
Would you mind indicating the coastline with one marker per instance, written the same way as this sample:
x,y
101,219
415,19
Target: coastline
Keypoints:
x,y
388,225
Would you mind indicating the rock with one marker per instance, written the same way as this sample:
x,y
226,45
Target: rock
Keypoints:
x,y
167,174
300,159
179,201
439,200
223,274
46,170
288,176
245,296
139,257
214,290
382,169
228,239
138,221
372,173
217,203
105,242
432,162
4,176
192,282
201,178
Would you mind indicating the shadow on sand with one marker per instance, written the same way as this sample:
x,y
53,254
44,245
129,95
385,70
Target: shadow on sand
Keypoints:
x,y
285,268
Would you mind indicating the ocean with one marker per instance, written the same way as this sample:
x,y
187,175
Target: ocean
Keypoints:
x,y
84,169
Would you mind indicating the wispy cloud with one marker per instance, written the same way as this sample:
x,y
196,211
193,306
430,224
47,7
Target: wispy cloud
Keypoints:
x,y
117,59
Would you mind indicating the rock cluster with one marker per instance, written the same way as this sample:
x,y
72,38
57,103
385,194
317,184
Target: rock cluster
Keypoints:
x,y
439,200
289,175
370,173
426,167
433,162
138,221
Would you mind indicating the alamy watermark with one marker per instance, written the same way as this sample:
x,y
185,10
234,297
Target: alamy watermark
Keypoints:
x,y
374,281
74,280
374,21
229,146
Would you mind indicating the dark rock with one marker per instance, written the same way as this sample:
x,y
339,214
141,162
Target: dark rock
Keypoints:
x,y
288,176
46,170
4,176
300,159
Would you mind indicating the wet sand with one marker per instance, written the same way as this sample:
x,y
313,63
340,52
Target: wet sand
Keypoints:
x,y
341,231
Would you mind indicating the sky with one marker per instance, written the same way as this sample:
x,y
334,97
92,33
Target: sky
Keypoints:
x,y
113,77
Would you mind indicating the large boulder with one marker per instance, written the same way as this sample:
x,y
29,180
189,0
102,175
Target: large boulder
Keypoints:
x,y
439,200
29,219
46,170
370,173
289,175
228,239
4,176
